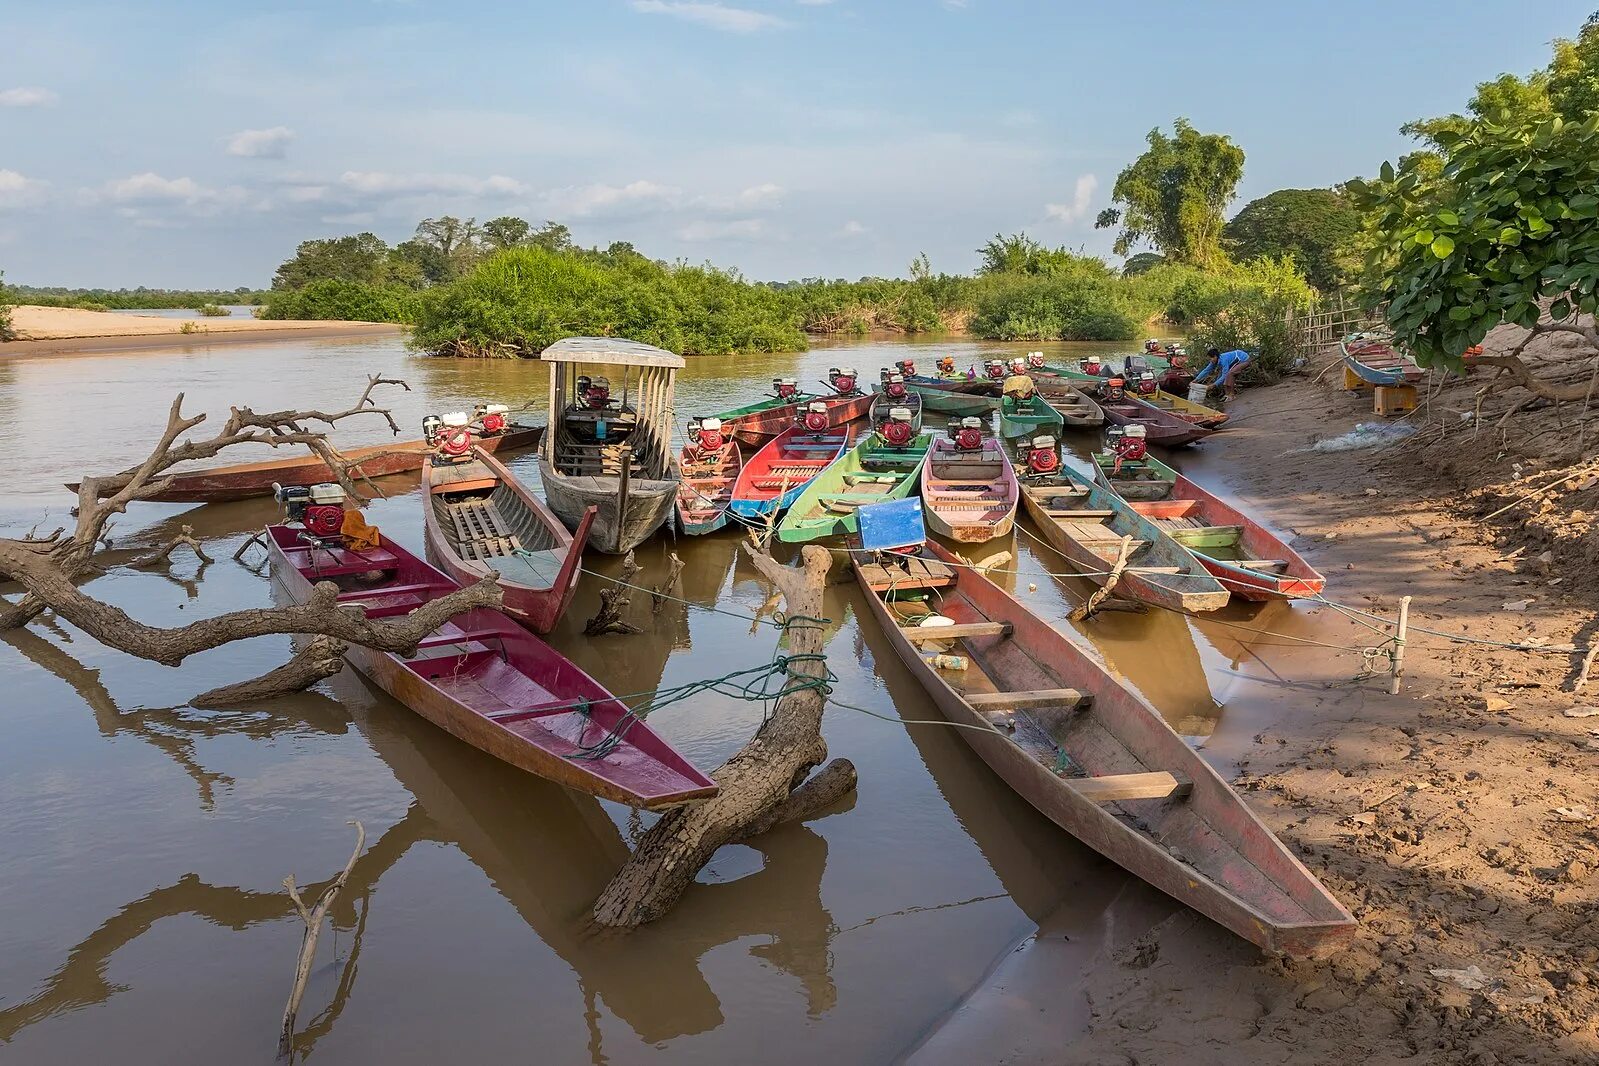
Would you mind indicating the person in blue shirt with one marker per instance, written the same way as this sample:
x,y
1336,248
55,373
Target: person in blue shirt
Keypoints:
x,y
1227,365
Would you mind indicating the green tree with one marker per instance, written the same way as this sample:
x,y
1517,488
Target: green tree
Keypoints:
x,y
1574,73
7,332
552,236
1508,231
505,232
1173,195
1142,263
362,258
1312,225
1020,254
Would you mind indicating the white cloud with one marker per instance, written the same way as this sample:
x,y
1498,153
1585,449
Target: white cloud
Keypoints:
x,y
756,196
716,16
261,144
30,96
380,183
1082,200
151,187
852,228
353,218
19,191
738,229
579,201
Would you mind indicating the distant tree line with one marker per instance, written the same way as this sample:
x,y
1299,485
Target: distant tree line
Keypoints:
x,y
139,299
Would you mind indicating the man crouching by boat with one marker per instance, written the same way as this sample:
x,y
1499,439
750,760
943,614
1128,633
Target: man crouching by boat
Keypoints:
x,y
1227,365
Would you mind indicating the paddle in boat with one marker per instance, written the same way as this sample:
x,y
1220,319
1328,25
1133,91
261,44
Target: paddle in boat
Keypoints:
x,y
1248,559
886,464
480,676
968,484
1089,753
608,451
1145,390
1160,427
1375,361
491,430
479,519
710,463
773,477
759,422
892,392
1101,534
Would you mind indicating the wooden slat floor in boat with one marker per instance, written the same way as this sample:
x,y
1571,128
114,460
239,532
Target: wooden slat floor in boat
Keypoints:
x,y
916,573
481,531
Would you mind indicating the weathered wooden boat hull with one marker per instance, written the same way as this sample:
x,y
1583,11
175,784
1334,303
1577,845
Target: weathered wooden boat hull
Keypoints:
x,y
618,528
758,423
1297,580
1160,426
245,481
1077,409
1206,849
703,494
1140,480
950,511
494,684
1190,589
809,518
948,402
1185,409
536,605
1029,418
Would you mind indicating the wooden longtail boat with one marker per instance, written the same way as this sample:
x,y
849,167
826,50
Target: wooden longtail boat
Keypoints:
x,y
874,471
1088,524
492,683
1025,418
970,492
614,454
707,485
757,423
950,402
1183,408
1076,407
883,402
1247,558
1161,427
480,520
1138,479
1376,362
244,481
774,477
1094,757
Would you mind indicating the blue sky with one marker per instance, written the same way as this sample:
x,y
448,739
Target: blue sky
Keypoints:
x,y
179,144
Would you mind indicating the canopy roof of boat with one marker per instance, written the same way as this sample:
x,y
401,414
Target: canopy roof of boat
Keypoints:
x,y
610,350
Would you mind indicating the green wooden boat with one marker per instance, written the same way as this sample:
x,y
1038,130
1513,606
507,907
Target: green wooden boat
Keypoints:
x,y
952,403
873,471
1029,417
1141,479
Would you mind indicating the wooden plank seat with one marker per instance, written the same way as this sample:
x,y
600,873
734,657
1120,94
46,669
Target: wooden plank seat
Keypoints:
x,y
455,635
386,590
1113,787
1044,697
1262,564
916,574
957,632
1079,514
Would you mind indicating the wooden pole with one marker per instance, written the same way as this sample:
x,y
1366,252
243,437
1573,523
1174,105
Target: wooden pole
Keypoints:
x,y
1399,644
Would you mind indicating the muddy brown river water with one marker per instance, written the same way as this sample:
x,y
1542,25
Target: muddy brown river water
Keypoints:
x,y
142,842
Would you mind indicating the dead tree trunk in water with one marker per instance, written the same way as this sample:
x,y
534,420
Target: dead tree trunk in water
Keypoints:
x,y
762,785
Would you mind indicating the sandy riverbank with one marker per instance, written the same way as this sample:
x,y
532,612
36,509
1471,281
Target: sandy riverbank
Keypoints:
x,y
43,330
1431,814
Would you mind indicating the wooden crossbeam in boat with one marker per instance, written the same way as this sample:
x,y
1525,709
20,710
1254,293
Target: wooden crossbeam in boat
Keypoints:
x,y
1053,513
1262,564
1156,570
1114,787
957,632
1043,697
382,590
465,636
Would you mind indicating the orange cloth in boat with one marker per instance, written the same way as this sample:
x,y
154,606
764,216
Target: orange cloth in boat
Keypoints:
x,y
1018,385
358,536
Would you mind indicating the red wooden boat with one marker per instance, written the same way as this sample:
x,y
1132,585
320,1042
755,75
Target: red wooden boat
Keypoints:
x,y
756,424
710,462
479,519
775,476
1160,427
243,481
1092,755
492,683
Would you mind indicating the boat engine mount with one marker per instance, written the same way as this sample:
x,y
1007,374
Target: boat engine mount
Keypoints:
x,y
785,388
1040,456
995,369
319,508
1035,360
453,439
815,419
967,433
593,393
842,379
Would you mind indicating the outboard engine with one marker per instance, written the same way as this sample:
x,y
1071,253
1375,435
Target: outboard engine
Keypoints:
x,y
1135,365
1092,365
1152,345
491,418
1146,385
1114,390
894,387
1018,365
593,393
1035,360
967,433
899,428
908,367
319,508
946,364
785,388
815,418
1126,443
1039,456
431,425
995,368
454,438
706,434
843,380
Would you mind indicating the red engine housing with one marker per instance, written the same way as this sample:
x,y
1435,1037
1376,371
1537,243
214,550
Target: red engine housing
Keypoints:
x,y
455,442
1042,461
896,433
907,367
895,390
784,390
844,383
1035,360
996,370
816,421
1146,386
494,423
946,366
969,439
710,440
323,519
1130,450
596,396
1115,389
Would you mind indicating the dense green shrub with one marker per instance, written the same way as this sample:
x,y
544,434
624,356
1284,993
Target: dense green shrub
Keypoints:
x,y
1254,309
213,311
7,332
1044,307
343,301
139,299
